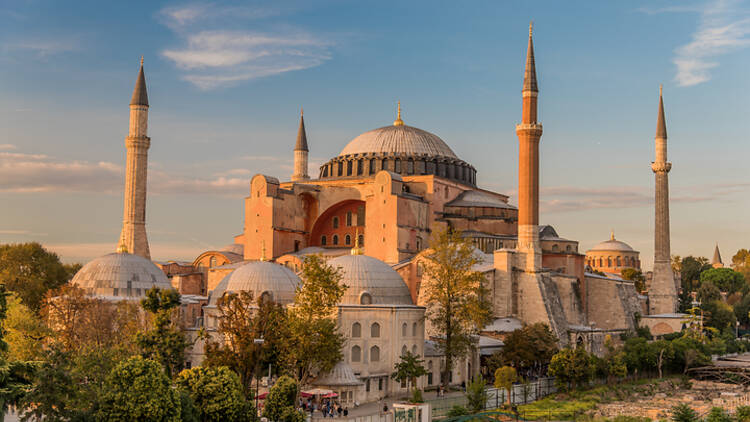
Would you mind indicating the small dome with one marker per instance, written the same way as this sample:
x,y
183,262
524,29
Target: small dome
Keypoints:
x,y
236,248
370,281
612,245
341,375
399,140
259,277
120,275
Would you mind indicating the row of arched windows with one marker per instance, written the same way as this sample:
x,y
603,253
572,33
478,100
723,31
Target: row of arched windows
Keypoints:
x,y
347,240
617,261
375,353
375,330
341,167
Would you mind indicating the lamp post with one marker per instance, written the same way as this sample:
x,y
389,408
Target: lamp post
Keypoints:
x,y
259,342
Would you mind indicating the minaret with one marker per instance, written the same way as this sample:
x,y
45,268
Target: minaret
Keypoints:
x,y
301,151
529,132
716,261
133,237
663,292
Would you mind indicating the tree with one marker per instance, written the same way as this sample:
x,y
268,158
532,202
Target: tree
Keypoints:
x,y
164,342
504,378
571,366
743,414
315,341
139,390
528,349
690,271
719,315
476,395
637,277
454,295
242,321
726,279
280,405
26,332
613,360
409,369
741,262
15,376
55,393
717,414
684,413
708,292
216,393
30,271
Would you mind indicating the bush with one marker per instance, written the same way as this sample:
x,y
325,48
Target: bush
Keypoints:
x,y
476,395
743,414
216,393
717,414
280,405
684,413
457,410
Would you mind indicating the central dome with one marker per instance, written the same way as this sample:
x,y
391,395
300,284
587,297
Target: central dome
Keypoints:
x,y
398,140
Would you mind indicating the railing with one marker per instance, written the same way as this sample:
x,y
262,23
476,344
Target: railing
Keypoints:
x,y
382,417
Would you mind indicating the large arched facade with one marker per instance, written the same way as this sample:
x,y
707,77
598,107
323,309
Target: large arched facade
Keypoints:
x,y
339,225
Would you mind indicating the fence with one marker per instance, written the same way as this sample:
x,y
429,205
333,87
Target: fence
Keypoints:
x,y
519,394
382,417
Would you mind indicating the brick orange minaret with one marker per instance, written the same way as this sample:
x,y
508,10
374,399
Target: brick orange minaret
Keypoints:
x,y
529,132
301,151
133,237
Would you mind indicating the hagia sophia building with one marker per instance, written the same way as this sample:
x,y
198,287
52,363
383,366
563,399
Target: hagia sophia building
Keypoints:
x,y
370,212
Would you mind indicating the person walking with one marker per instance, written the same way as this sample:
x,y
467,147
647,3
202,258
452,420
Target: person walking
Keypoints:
x,y
346,411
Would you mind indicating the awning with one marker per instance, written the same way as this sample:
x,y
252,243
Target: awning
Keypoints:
x,y
318,391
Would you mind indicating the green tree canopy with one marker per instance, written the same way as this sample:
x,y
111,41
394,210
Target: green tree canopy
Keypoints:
x,y
741,262
139,390
719,315
30,271
637,277
280,404
216,393
684,413
504,378
164,342
25,332
528,348
409,368
726,279
690,271
571,366
708,292
455,295
476,395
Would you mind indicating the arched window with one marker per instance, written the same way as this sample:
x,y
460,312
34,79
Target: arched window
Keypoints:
x,y
348,168
335,239
356,330
335,222
568,248
374,354
403,330
609,261
414,349
365,298
323,240
555,248
212,262
348,218
414,329
601,263
341,168
361,240
348,240
372,166
419,243
397,168
266,296
359,167
375,330
356,354
404,350
619,261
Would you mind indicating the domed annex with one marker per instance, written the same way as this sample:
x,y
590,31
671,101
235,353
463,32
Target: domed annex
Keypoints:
x,y
260,278
613,256
370,281
120,275
401,149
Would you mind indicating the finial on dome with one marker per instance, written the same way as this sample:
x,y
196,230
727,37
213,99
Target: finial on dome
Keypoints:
x,y
121,248
612,235
263,250
398,121
356,250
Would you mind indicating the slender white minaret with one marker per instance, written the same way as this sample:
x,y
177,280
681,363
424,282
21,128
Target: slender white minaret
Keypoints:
x,y
663,292
133,237
301,151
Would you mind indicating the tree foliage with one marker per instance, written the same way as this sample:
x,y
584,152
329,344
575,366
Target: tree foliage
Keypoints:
x,y
528,349
572,366
139,390
216,393
504,378
25,332
726,279
409,368
164,342
637,277
29,270
684,413
741,262
280,404
708,293
455,295
476,395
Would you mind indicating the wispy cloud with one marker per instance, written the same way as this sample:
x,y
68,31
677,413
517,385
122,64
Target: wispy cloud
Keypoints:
x,y
724,27
44,48
214,56
6,147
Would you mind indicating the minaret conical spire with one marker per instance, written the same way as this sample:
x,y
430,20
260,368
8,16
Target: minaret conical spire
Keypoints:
x,y
529,78
716,262
661,125
140,96
301,134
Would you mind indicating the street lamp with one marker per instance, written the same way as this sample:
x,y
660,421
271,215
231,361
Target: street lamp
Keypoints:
x,y
259,342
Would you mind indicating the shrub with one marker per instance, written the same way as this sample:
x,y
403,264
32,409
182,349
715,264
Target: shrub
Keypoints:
x,y
743,414
684,413
717,414
457,410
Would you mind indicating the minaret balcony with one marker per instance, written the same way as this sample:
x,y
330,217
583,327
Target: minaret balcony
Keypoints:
x,y
661,167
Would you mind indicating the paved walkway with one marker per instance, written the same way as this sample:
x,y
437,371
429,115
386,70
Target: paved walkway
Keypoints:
x,y
375,408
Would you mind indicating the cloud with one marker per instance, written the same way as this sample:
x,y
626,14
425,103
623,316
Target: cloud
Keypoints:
x,y
84,252
723,28
24,173
6,147
214,56
44,48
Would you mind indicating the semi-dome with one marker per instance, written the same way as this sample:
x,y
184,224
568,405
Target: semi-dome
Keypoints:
x,y
612,245
342,375
370,281
121,275
399,140
260,278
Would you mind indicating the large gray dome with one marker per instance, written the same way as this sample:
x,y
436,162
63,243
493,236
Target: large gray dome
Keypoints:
x,y
370,281
259,277
398,140
120,275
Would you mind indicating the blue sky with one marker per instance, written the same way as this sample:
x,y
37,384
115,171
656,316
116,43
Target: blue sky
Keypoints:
x,y
226,81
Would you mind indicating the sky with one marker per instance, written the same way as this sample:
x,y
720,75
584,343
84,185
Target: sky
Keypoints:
x,y
226,81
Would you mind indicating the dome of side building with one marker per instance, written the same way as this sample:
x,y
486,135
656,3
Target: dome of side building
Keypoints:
x,y
120,275
613,256
370,281
260,278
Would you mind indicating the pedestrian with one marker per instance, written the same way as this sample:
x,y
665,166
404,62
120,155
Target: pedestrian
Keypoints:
x,y
339,410
385,407
346,411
